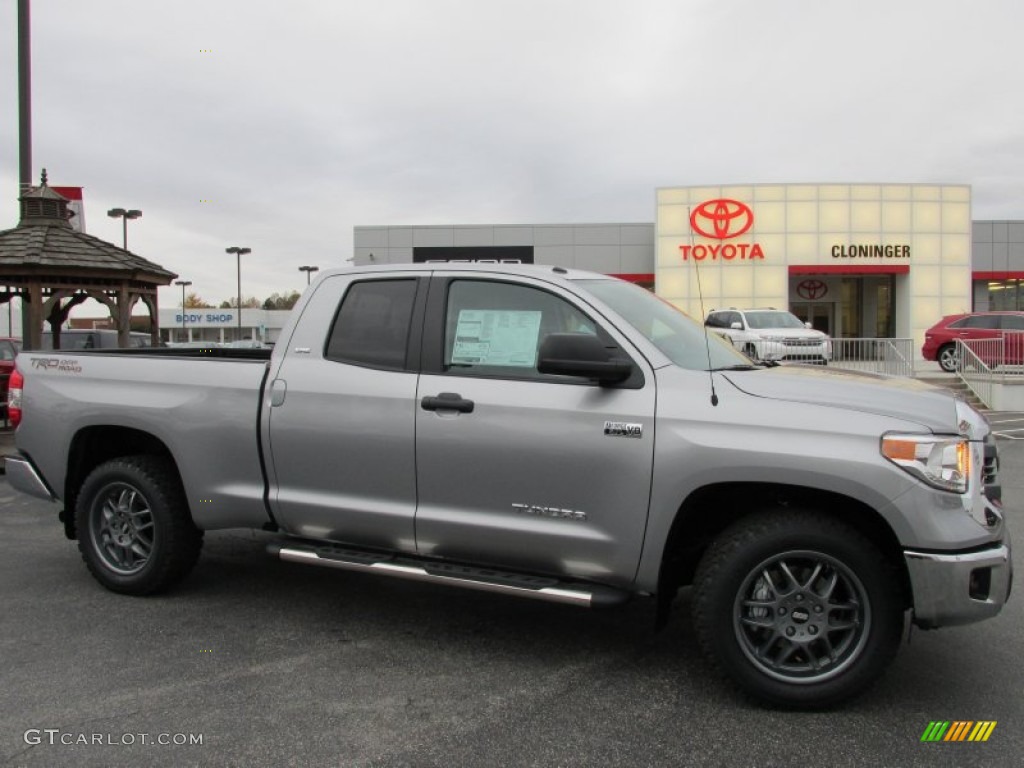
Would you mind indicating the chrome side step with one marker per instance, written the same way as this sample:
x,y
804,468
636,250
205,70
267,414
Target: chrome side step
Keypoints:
x,y
470,577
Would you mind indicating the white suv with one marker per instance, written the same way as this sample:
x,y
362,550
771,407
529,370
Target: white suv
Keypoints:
x,y
771,334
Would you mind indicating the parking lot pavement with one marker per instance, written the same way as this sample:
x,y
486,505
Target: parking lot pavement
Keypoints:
x,y
6,445
273,663
1007,425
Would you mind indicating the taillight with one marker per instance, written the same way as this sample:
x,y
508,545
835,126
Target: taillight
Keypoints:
x,y
14,387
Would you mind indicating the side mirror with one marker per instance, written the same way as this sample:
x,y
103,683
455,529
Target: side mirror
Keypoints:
x,y
736,325
580,354
809,325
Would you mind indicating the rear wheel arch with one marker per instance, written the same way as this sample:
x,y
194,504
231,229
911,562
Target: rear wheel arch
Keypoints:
x,y
136,534
92,446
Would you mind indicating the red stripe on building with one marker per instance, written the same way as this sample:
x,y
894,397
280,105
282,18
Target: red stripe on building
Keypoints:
x,y
849,269
1018,275
71,193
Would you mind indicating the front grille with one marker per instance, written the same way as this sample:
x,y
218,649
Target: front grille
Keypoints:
x,y
990,470
801,342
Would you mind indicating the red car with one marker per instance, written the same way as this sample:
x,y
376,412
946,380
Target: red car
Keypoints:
x,y
9,349
940,339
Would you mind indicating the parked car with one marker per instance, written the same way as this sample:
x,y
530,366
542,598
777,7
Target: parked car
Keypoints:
x,y
9,349
94,339
771,334
940,339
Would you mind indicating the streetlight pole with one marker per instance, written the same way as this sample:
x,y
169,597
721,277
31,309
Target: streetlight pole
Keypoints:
x,y
183,283
308,270
124,215
238,254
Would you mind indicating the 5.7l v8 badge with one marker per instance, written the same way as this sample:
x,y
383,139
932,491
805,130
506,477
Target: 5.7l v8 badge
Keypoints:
x,y
623,429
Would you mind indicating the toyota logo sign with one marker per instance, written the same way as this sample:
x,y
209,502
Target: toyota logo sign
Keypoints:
x,y
721,219
811,289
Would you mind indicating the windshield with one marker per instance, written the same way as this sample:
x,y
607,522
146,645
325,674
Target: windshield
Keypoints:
x,y
676,334
773,319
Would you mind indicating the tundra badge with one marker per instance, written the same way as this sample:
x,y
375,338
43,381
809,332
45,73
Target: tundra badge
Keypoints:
x,y
534,509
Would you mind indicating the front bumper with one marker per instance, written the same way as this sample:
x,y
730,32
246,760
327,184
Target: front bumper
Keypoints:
x,y
959,588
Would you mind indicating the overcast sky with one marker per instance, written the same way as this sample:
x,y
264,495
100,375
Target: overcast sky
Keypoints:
x,y
309,117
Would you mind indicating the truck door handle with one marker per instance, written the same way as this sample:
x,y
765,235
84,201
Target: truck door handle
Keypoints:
x,y
447,401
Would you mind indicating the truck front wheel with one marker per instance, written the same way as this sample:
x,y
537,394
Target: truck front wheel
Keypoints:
x,y
799,610
135,532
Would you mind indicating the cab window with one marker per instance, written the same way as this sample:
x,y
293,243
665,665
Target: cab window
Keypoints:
x,y
371,327
495,329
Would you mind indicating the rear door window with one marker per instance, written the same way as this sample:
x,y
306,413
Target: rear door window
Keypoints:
x,y
1012,322
371,327
989,322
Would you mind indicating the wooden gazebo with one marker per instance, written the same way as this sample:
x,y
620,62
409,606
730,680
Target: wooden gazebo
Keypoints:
x,y
53,268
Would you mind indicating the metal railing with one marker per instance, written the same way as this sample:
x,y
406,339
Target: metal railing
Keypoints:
x,y
981,364
972,369
892,357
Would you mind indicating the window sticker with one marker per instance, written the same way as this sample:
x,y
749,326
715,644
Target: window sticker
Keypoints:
x,y
497,337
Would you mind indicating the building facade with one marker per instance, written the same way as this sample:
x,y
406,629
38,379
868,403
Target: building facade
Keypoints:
x,y
997,261
221,325
624,250
854,260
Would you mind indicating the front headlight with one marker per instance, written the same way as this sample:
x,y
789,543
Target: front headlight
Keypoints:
x,y
942,462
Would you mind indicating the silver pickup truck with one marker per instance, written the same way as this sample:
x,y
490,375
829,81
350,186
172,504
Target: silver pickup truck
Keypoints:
x,y
545,433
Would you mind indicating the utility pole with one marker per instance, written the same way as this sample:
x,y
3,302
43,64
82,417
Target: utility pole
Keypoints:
x,y
24,98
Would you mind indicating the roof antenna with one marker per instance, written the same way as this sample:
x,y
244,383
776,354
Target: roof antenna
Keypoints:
x,y
700,293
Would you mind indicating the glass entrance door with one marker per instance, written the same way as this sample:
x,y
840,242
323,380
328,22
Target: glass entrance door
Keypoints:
x,y
818,314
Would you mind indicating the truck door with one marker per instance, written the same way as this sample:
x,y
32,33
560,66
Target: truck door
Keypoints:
x,y
520,469
342,414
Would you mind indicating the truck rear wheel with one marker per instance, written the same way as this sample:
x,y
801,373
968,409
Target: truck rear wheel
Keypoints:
x,y
799,610
135,532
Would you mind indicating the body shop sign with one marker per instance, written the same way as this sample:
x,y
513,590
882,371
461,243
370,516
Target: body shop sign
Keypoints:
x,y
722,220
208,318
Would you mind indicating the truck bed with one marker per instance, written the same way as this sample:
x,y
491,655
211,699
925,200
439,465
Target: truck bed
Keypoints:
x,y
202,406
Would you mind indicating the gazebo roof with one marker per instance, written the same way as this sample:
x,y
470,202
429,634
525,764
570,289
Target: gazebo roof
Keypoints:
x,y
53,248
45,245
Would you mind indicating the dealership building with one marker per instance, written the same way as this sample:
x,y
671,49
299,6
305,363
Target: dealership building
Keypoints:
x,y
854,260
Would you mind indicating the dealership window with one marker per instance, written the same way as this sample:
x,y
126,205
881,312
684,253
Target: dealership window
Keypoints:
x,y
1006,295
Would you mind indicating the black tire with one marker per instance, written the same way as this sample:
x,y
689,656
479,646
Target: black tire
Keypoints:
x,y
750,351
948,358
792,644
135,532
